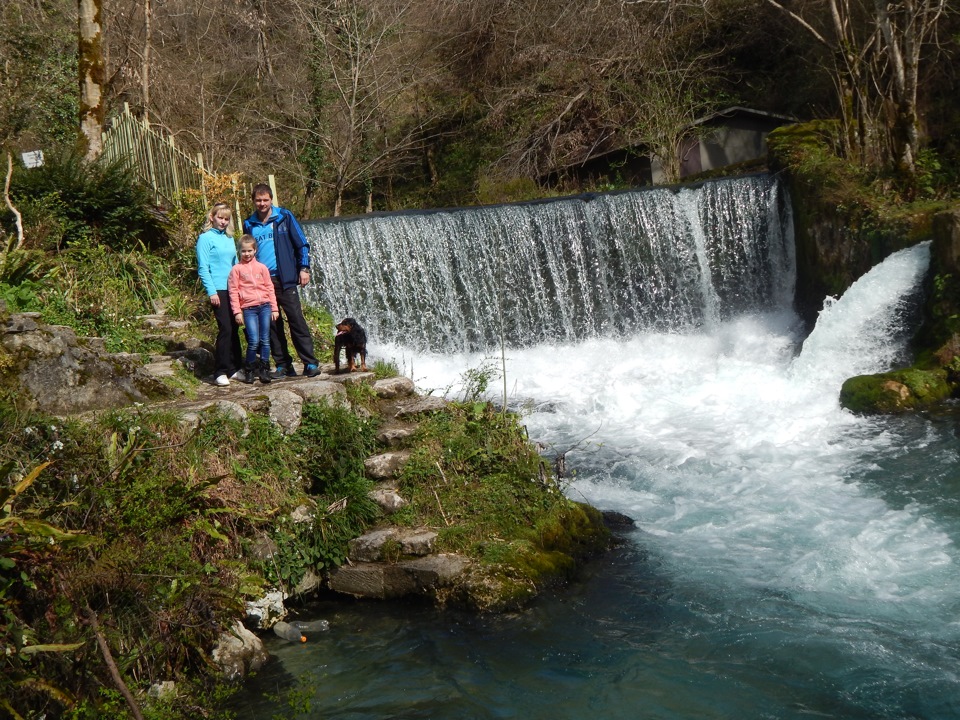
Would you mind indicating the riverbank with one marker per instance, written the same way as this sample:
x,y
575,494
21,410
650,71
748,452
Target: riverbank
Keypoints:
x,y
139,534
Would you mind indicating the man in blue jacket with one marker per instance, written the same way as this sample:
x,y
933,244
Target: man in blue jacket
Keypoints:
x,y
283,248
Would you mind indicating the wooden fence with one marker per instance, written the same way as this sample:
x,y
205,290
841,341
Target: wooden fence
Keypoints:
x,y
162,166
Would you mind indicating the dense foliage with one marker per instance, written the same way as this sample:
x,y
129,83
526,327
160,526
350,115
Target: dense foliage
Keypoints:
x,y
139,528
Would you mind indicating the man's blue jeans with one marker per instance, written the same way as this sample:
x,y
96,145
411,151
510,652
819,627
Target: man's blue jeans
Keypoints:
x,y
256,326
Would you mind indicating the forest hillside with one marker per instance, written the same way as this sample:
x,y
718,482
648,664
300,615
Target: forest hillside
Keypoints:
x,y
359,105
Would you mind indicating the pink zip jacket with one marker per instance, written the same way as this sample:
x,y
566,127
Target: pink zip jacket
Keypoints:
x,y
250,286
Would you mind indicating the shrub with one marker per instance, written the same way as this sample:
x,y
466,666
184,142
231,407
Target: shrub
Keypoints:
x,y
69,201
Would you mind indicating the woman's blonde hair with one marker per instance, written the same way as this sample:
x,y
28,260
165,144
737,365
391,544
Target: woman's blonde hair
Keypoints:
x,y
215,210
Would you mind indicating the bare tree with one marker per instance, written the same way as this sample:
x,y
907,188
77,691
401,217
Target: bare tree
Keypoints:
x,y
361,117
877,48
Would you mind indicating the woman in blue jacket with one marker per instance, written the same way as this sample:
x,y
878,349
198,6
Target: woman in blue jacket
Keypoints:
x,y
216,254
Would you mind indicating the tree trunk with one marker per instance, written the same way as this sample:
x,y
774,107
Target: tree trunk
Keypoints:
x,y
147,44
91,71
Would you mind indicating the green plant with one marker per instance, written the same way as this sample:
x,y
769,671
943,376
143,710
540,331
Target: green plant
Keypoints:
x,y
476,381
26,541
383,369
334,442
321,327
89,203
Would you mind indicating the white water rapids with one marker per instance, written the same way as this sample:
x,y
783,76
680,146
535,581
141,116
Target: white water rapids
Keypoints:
x,y
790,559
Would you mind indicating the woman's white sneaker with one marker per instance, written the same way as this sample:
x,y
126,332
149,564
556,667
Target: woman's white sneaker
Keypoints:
x,y
222,380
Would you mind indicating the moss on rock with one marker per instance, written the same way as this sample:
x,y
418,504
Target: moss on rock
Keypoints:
x,y
895,391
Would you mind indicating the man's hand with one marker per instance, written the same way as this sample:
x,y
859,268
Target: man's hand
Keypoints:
x,y
304,277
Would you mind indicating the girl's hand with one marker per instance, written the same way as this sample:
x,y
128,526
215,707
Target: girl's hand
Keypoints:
x,y
215,300
239,318
275,316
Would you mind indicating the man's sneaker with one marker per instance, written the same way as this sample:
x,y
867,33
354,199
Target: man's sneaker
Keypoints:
x,y
222,380
311,370
283,371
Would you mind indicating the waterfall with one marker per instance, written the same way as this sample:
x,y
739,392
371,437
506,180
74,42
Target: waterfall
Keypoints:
x,y
561,270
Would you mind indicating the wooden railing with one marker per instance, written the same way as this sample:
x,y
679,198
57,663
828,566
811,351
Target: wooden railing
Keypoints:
x,y
162,167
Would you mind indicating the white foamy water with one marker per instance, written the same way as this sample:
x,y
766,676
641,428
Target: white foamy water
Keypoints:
x,y
732,453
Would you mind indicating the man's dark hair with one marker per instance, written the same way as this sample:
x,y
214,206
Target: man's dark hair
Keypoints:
x,y
260,190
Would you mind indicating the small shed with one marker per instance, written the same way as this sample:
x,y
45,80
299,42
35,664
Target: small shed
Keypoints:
x,y
726,137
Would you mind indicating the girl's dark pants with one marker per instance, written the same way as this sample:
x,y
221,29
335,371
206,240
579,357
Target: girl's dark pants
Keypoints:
x,y
227,356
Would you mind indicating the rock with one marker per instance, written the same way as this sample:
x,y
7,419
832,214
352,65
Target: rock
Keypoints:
x,y
162,368
263,548
370,547
239,652
386,465
320,390
286,409
946,240
232,410
94,344
436,571
618,521
372,580
388,499
394,387
302,514
310,582
397,436
163,690
53,372
21,322
197,360
350,378
422,406
264,612
488,589
895,391
422,576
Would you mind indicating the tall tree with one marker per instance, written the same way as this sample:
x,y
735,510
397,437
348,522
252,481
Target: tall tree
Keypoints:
x,y
91,70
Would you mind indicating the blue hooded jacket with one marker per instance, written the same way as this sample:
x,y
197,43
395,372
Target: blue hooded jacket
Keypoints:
x,y
216,254
289,243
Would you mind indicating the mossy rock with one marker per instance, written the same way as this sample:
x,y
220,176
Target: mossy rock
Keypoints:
x,y
563,542
896,391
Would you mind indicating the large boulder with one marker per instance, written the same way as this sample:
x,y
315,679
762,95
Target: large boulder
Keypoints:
x,y
49,369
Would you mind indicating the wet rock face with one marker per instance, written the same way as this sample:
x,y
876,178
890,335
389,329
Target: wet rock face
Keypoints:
x,y
51,370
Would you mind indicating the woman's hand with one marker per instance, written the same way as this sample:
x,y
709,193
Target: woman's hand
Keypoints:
x,y
239,318
275,316
215,300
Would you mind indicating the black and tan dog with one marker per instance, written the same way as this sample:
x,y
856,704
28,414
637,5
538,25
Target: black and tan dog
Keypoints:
x,y
353,338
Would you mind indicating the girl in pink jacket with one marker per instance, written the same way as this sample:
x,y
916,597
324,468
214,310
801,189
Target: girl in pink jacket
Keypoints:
x,y
254,304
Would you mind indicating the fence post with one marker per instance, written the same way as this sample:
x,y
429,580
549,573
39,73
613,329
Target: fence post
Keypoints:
x,y
203,177
236,198
273,187
151,167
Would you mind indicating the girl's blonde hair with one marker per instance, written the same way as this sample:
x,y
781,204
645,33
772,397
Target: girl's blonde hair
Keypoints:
x,y
248,240
218,208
